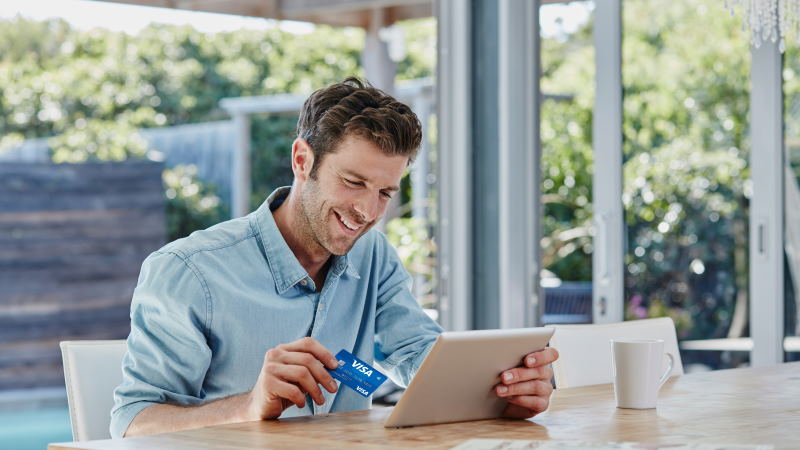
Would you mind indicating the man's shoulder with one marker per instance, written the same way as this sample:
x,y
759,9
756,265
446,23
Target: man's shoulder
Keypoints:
x,y
217,237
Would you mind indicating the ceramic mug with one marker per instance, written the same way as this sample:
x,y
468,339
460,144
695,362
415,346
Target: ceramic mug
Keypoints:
x,y
639,371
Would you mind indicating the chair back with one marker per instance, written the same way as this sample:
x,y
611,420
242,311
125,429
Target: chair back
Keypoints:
x,y
585,350
92,369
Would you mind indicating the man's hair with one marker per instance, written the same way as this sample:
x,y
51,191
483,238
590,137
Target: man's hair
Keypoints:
x,y
355,108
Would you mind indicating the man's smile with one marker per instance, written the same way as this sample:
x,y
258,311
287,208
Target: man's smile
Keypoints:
x,y
349,226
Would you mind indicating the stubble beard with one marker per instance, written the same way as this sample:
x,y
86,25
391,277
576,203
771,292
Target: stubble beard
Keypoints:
x,y
315,215
312,223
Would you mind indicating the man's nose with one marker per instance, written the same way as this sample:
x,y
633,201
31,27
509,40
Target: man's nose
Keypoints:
x,y
368,208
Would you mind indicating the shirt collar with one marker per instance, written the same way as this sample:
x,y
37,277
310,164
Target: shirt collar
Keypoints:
x,y
286,269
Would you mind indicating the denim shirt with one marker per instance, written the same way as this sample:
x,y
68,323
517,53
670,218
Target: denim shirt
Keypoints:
x,y
207,308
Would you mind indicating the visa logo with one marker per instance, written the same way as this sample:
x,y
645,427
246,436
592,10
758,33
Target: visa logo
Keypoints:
x,y
362,390
362,368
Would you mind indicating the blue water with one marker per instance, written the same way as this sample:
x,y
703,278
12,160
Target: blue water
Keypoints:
x,y
29,429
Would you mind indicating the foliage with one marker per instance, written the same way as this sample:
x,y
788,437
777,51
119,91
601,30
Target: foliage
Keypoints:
x,y
685,111
272,138
420,54
410,236
567,158
567,190
686,191
10,141
92,140
93,89
165,75
191,204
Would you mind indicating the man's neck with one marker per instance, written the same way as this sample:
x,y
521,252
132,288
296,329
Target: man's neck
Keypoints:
x,y
313,257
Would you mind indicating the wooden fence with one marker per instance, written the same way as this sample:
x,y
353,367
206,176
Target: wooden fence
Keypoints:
x,y
72,240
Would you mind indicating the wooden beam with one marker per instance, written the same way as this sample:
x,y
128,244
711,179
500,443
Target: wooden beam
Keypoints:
x,y
329,12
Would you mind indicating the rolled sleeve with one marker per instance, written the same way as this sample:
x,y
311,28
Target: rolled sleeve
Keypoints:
x,y
404,332
168,353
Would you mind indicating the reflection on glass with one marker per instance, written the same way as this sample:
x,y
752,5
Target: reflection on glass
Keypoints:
x,y
686,189
567,86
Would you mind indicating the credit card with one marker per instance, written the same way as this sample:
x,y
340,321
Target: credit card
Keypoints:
x,y
356,374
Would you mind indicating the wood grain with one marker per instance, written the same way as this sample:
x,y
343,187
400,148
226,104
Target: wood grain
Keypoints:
x,y
739,406
72,240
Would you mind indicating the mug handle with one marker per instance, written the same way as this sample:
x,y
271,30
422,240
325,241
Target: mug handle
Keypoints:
x,y
664,377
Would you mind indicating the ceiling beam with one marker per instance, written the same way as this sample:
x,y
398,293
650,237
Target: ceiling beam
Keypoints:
x,y
330,12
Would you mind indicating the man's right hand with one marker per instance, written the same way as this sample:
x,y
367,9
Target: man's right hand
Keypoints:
x,y
291,371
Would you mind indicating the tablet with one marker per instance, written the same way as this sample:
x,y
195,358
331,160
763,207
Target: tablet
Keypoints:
x,y
456,380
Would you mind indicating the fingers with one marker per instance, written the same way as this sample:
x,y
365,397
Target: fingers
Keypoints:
x,y
519,374
300,364
306,360
533,387
280,389
532,403
527,389
541,358
312,346
300,376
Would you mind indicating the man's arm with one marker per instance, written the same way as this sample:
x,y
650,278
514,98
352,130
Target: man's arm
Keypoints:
x,y
162,418
403,331
168,357
405,334
168,353
290,371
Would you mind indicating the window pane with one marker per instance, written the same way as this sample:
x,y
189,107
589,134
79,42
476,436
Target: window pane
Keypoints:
x,y
686,83
567,86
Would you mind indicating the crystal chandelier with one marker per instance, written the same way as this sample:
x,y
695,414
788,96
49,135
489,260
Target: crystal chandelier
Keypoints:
x,y
768,20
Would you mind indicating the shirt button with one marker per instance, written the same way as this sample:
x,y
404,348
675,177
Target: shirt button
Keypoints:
x,y
304,282
321,307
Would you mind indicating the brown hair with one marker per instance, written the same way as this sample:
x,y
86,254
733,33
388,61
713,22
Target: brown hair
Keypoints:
x,y
353,107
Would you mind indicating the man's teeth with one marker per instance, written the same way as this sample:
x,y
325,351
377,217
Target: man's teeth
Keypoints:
x,y
348,224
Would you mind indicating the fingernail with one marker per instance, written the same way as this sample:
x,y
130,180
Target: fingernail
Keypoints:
x,y
333,386
507,377
531,360
502,390
333,363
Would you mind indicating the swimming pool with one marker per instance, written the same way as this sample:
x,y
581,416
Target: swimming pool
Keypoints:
x,y
29,429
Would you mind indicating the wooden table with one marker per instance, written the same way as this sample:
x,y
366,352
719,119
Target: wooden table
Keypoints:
x,y
739,406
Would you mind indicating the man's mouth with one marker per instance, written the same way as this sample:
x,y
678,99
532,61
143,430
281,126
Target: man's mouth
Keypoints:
x,y
347,224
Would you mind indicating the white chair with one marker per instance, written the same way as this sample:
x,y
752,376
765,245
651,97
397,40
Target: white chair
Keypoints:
x,y
585,350
92,369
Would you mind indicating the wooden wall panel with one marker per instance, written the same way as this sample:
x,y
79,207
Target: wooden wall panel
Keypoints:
x,y
72,240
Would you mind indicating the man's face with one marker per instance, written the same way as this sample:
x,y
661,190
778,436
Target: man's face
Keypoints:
x,y
350,192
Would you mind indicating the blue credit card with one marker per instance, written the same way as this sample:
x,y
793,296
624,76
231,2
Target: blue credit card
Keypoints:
x,y
356,374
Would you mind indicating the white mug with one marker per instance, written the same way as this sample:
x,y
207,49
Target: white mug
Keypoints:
x,y
638,371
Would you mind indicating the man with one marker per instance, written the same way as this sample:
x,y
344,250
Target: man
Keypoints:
x,y
238,322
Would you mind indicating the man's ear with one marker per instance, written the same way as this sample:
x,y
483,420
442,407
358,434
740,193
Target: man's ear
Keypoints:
x,y
302,159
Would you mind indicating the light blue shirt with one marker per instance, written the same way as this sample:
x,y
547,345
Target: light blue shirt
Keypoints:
x,y
207,308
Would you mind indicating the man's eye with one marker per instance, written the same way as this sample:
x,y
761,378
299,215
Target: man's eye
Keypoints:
x,y
387,195
352,183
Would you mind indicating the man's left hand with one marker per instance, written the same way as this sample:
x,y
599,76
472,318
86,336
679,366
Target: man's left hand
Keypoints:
x,y
527,387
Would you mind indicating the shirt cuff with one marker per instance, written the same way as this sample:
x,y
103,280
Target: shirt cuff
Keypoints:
x,y
121,418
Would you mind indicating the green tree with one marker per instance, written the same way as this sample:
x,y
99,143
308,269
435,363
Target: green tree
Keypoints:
x,y
93,89
685,118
